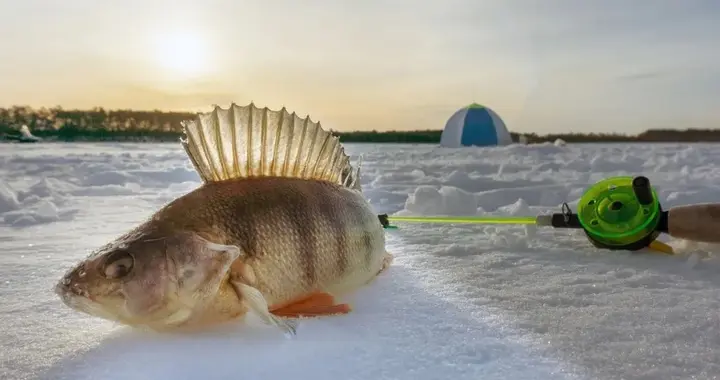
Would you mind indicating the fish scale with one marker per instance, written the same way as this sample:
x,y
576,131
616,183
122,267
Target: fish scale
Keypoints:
x,y
279,227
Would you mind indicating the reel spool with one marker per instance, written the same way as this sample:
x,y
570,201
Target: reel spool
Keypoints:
x,y
620,213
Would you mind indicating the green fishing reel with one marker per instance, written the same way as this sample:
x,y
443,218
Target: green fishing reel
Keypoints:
x,y
620,213
617,213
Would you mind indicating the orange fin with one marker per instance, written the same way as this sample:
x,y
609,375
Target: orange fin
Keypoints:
x,y
314,305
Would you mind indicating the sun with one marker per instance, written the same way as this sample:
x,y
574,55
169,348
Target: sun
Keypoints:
x,y
181,55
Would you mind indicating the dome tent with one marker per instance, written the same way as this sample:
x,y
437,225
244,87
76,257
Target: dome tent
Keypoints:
x,y
474,125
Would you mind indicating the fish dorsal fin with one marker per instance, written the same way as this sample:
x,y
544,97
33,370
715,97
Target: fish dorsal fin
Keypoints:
x,y
246,141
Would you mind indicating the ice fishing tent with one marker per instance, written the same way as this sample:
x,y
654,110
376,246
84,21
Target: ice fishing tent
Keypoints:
x,y
475,125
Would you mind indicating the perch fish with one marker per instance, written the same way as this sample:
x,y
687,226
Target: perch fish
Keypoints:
x,y
279,228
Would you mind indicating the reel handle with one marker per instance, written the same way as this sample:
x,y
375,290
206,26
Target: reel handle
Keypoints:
x,y
643,191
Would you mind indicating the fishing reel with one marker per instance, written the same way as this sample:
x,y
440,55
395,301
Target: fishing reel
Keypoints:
x,y
617,213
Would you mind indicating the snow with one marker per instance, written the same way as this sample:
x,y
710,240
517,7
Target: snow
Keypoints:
x,y
460,302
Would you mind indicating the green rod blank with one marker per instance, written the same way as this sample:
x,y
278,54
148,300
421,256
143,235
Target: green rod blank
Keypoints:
x,y
466,219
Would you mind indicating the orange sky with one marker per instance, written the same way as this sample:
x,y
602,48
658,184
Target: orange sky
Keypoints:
x,y
608,66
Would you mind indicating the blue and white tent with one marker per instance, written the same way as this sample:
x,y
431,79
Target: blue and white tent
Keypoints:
x,y
475,125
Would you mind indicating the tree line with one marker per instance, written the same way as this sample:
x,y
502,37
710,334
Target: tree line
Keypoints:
x,y
99,124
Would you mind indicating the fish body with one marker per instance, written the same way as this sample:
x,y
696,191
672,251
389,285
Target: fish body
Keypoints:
x,y
279,227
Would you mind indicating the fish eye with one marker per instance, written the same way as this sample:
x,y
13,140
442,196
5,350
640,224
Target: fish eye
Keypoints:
x,y
118,264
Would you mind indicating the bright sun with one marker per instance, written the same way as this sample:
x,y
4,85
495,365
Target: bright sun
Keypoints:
x,y
181,55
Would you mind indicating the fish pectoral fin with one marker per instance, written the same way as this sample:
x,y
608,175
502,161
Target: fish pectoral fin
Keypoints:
x,y
256,302
315,305
199,266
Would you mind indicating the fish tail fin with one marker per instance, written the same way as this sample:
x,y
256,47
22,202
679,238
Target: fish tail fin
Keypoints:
x,y
247,141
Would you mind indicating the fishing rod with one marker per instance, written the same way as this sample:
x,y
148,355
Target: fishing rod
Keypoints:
x,y
617,213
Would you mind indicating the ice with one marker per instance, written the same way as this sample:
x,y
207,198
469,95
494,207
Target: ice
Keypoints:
x,y
460,301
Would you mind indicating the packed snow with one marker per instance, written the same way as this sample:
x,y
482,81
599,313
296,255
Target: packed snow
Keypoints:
x,y
460,301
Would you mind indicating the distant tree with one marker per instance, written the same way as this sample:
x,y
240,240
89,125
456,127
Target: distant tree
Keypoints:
x,y
100,124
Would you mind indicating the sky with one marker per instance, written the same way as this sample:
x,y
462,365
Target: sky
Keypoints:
x,y
544,66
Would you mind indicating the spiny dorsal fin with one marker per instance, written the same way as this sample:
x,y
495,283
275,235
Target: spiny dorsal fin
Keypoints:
x,y
242,142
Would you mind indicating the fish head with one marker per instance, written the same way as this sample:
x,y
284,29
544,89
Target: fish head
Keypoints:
x,y
147,281
123,281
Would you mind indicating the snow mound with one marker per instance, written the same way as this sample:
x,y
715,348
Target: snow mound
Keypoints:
x,y
37,205
448,200
8,199
48,190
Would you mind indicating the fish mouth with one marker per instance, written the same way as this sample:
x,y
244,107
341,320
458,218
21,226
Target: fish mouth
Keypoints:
x,y
70,283
69,292
75,297
72,299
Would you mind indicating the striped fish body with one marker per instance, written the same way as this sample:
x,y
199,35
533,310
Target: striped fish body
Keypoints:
x,y
297,236
278,228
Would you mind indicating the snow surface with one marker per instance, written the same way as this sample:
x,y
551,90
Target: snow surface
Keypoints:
x,y
460,302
